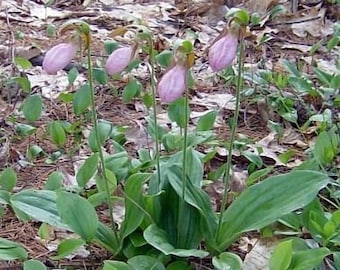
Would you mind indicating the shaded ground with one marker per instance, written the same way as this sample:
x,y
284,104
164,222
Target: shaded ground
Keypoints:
x,y
111,107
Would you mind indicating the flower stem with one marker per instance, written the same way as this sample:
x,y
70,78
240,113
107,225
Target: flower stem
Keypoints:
x,y
181,206
101,155
154,107
227,174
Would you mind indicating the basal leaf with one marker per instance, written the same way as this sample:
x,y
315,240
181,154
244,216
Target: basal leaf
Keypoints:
x,y
78,214
265,202
8,179
34,265
158,239
32,108
227,260
143,262
87,170
67,247
39,205
10,250
134,203
282,256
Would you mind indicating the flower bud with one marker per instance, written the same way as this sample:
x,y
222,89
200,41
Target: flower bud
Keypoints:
x,y
223,52
173,84
58,57
119,60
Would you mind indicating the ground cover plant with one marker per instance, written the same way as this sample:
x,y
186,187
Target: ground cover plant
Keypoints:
x,y
185,196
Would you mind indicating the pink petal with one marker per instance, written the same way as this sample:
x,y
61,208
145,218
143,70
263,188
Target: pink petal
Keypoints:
x,y
119,60
173,84
58,57
223,52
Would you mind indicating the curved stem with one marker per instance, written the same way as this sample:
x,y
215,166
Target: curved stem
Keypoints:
x,y
227,175
154,107
101,155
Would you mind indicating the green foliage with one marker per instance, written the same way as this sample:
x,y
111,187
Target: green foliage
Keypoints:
x,y
168,215
257,207
78,214
131,90
34,265
176,112
67,247
227,260
10,250
82,99
87,170
57,133
32,108
8,179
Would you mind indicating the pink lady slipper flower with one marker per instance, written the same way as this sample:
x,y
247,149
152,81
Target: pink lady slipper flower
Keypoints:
x,y
119,60
58,57
173,83
222,52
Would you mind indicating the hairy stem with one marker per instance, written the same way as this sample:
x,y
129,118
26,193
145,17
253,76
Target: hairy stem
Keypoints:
x,y
101,155
154,107
227,174
181,207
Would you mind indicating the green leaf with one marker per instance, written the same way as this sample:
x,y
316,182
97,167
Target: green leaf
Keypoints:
x,y
176,112
24,130
67,247
8,179
100,75
82,99
336,257
195,197
104,129
34,151
254,158
66,97
164,58
72,76
324,151
38,204
22,62
265,202
308,259
34,265
5,197
131,90
32,108
282,256
143,262
54,181
158,239
179,265
57,133
206,122
300,84
257,175
10,250
156,132
78,214
134,203
107,238
116,265
291,68
333,42
227,260
24,83
286,156
87,170
110,46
